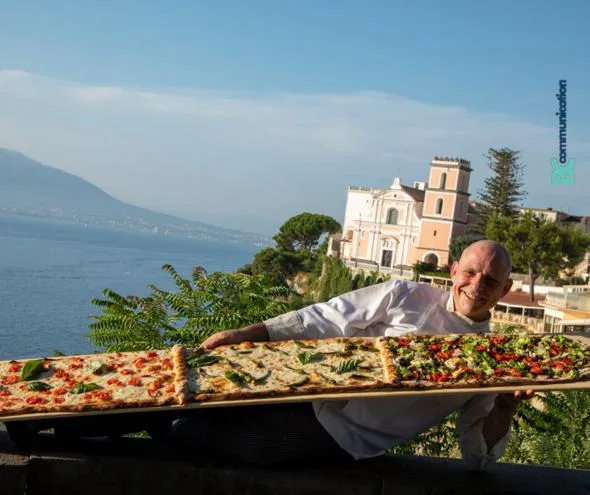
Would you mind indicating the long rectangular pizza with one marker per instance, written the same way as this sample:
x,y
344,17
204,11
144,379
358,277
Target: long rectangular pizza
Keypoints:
x,y
179,376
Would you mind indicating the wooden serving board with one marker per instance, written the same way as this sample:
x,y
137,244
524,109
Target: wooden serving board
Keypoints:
x,y
373,394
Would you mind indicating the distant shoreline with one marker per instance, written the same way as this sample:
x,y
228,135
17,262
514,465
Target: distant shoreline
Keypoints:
x,y
136,226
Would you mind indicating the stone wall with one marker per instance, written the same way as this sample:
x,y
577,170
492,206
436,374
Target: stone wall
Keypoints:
x,y
140,466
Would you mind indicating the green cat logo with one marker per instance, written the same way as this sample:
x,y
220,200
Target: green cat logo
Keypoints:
x,y
563,175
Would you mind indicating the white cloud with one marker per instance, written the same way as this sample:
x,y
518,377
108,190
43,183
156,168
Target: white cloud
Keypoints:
x,y
264,155
96,94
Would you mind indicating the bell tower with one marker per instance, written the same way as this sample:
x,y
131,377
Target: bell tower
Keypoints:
x,y
444,215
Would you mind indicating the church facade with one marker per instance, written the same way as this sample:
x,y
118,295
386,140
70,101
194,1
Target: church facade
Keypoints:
x,y
400,225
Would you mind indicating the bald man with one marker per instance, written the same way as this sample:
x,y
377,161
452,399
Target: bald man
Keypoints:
x,y
348,430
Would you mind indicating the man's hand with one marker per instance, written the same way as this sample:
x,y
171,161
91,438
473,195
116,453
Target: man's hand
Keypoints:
x,y
512,401
252,333
496,424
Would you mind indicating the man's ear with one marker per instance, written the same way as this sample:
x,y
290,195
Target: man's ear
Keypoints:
x,y
507,286
454,268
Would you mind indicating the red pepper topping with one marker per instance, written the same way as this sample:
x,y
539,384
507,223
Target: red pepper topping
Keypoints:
x,y
10,380
13,368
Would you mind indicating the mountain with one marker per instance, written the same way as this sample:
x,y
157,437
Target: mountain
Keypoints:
x,y
30,188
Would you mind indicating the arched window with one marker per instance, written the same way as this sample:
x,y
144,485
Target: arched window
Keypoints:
x,y
392,215
439,206
431,259
443,180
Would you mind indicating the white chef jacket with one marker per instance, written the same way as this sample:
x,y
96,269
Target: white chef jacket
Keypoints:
x,y
369,427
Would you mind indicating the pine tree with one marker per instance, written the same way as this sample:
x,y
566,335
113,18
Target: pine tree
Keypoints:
x,y
503,191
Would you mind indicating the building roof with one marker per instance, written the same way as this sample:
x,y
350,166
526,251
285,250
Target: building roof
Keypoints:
x,y
416,194
522,299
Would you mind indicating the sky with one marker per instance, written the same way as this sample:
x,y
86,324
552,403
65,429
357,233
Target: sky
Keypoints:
x,y
246,113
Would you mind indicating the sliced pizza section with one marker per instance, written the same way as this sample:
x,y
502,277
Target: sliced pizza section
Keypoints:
x,y
294,367
467,360
88,382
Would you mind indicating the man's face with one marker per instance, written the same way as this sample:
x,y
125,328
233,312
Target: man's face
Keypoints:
x,y
480,280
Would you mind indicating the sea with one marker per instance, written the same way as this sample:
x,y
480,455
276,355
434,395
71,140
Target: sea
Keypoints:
x,y
50,271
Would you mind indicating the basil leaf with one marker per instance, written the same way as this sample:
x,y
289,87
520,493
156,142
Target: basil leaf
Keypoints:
x,y
32,370
346,366
38,386
82,388
200,361
308,357
236,378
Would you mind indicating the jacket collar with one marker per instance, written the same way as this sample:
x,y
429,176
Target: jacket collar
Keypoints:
x,y
475,325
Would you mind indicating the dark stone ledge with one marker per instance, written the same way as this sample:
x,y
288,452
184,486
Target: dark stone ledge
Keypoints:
x,y
141,466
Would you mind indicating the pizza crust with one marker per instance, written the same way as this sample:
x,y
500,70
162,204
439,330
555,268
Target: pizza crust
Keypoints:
x,y
180,374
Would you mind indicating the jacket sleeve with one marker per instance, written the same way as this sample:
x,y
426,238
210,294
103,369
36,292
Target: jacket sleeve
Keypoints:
x,y
342,316
474,448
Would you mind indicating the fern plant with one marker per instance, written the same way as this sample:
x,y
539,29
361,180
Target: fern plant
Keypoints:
x,y
198,307
555,433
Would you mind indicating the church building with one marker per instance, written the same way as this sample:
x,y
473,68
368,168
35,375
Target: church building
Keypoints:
x,y
401,225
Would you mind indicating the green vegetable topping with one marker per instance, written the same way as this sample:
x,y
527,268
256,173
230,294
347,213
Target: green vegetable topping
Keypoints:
x,y
38,386
200,361
346,366
82,388
32,370
308,357
235,378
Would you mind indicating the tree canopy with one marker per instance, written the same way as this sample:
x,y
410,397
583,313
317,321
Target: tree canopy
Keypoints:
x,y
304,231
537,246
277,265
459,243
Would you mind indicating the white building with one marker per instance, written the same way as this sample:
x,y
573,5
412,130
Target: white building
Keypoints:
x,y
398,226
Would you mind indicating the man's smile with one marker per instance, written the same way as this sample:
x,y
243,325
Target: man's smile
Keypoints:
x,y
472,296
